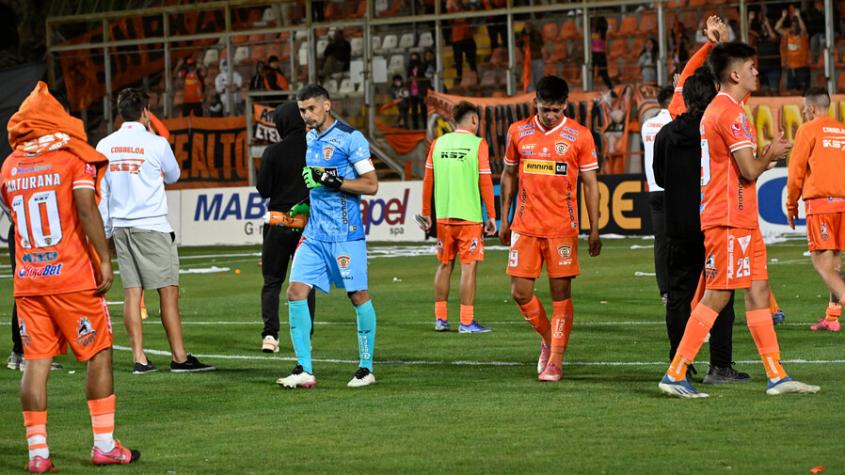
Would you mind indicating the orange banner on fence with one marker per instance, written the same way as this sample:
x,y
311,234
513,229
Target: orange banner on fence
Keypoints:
x,y
210,151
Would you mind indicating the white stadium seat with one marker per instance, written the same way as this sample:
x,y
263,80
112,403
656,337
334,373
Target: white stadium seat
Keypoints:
x,y
357,46
376,43
212,56
331,86
303,54
301,35
406,41
241,55
426,40
321,46
346,87
390,42
396,65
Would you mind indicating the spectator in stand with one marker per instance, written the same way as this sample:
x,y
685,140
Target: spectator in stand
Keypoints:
x,y
400,96
463,40
429,66
797,51
701,37
648,61
337,56
215,107
256,83
418,86
681,55
598,46
274,80
767,42
497,28
530,41
193,87
815,28
222,86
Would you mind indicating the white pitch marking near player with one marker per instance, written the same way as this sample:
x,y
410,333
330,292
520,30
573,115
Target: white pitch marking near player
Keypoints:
x,y
458,362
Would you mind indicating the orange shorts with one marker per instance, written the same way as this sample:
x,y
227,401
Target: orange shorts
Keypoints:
x,y
527,254
826,232
49,322
464,240
733,258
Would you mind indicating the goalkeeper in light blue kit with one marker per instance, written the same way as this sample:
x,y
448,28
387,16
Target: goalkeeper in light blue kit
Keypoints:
x,y
332,250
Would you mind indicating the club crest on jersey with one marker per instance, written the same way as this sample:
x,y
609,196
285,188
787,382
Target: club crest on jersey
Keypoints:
x,y
343,261
25,338
710,270
561,147
85,333
328,151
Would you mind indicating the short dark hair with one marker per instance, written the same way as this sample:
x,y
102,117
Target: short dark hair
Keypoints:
x,y
461,109
552,89
131,103
273,58
818,96
724,55
664,96
699,90
311,91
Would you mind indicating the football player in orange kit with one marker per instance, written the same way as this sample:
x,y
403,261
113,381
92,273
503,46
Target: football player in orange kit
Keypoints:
x,y
817,176
63,268
544,156
734,248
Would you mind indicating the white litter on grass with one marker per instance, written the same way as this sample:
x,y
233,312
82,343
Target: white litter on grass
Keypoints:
x,y
397,279
457,362
204,270
644,274
640,246
806,254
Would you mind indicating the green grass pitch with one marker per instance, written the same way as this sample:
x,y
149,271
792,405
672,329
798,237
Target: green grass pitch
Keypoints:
x,y
449,402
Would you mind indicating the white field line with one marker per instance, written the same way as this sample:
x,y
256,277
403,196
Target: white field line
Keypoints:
x,y
155,321
455,363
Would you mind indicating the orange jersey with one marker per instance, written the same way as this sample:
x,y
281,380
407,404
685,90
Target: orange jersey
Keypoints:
x,y
548,163
817,167
52,249
796,51
727,199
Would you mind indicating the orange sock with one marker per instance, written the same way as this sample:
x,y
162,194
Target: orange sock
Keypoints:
x,y
834,311
441,311
773,304
36,433
467,314
763,332
102,422
699,324
535,314
561,327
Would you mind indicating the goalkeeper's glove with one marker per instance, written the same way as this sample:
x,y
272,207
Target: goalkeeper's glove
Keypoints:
x,y
315,179
300,208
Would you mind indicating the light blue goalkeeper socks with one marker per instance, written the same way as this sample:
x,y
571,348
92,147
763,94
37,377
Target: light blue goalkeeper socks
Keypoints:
x,y
366,316
300,332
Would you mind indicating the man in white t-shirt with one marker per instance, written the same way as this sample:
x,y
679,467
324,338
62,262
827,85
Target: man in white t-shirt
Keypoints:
x,y
223,88
134,209
655,193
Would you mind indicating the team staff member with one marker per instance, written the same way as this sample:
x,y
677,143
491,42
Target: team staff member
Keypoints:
x,y
544,156
656,200
63,269
816,174
458,171
677,167
134,208
734,248
280,181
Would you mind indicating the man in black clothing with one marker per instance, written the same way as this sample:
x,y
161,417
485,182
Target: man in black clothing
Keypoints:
x,y
337,55
16,356
677,168
280,180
